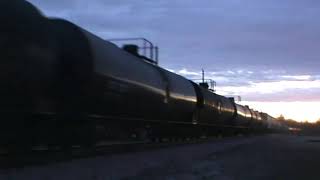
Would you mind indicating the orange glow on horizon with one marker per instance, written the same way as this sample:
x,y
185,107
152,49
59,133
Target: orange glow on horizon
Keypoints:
x,y
298,111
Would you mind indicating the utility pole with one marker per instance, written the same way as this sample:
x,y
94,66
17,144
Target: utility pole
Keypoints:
x,y
202,75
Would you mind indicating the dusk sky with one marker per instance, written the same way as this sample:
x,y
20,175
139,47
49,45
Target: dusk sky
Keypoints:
x,y
264,51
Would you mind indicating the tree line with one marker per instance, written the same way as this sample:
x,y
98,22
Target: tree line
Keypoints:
x,y
306,127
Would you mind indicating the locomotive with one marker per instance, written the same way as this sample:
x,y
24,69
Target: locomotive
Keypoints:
x,y
64,85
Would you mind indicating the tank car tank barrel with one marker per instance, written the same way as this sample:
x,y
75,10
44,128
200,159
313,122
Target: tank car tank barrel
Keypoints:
x,y
27,53
55,67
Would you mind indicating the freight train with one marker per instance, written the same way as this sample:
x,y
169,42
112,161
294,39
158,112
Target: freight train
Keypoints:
x,y
64,85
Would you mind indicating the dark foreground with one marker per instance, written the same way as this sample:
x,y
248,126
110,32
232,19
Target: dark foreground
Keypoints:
x,y
265,157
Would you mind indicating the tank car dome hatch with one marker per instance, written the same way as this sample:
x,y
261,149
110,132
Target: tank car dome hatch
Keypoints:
x,y
204,85
231,99
132,49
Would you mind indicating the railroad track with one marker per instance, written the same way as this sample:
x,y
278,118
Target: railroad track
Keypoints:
x,y
42,155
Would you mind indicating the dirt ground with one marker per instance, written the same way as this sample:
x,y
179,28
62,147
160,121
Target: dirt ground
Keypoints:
x,y
244,158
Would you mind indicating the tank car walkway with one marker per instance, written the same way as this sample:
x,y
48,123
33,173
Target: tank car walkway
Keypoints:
x,y
264,157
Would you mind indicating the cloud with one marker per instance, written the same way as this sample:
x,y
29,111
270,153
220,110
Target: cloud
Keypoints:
x,y
290,95
272,87
300,111
185,72
298,77
226,34
266,85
